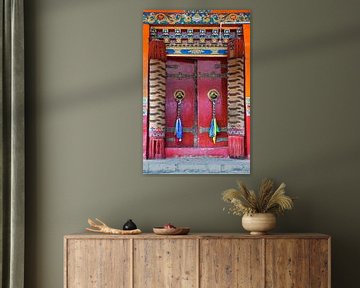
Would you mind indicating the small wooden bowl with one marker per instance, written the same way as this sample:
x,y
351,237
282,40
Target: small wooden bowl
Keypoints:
x,y
171,231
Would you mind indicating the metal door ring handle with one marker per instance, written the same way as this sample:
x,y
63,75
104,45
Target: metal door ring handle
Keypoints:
x,y
213,94
179,95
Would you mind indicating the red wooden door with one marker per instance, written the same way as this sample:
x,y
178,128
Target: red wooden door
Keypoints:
x,y
196,78
211,75
180,76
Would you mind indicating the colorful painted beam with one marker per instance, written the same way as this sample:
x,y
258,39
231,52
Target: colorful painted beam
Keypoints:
x,y
204,17
196,51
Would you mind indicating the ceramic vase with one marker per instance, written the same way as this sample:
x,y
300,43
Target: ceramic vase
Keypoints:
x,y
259,223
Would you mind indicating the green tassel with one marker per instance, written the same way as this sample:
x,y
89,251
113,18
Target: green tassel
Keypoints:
x,y
214,129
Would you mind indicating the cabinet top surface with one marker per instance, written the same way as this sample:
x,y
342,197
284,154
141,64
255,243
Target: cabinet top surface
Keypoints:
x,y
86,235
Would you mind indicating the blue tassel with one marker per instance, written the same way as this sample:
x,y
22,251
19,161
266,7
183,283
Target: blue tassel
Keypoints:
x,y
178,129
211,130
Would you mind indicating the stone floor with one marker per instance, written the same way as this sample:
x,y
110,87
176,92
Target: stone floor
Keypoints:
x,y
197,165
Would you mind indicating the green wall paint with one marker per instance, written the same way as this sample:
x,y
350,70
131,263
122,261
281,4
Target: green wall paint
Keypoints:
x,y
84,100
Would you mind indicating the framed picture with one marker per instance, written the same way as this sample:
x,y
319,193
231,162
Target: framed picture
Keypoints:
x,y
196,91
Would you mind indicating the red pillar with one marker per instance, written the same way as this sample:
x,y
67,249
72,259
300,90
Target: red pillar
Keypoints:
x,y
246,31
146,35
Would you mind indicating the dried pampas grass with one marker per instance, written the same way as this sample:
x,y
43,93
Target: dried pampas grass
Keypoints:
x,y
244,201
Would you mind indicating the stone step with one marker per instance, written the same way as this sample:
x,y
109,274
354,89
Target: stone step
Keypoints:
x,y
196,165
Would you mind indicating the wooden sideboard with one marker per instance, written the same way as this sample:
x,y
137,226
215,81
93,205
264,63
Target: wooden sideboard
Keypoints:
x,y
197,260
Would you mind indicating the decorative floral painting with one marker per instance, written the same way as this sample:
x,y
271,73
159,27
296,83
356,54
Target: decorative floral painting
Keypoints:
x,y
196,91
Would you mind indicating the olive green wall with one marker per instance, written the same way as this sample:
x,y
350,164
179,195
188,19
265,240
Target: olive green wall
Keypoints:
x,y
84,99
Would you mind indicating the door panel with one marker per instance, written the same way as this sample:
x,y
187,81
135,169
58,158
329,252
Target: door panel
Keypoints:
x,y
287,263
231,263
180,75
196,78
165,263
211,74
98,263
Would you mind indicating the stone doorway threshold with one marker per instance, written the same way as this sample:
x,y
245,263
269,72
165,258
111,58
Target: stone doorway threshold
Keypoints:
x,y
196,165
